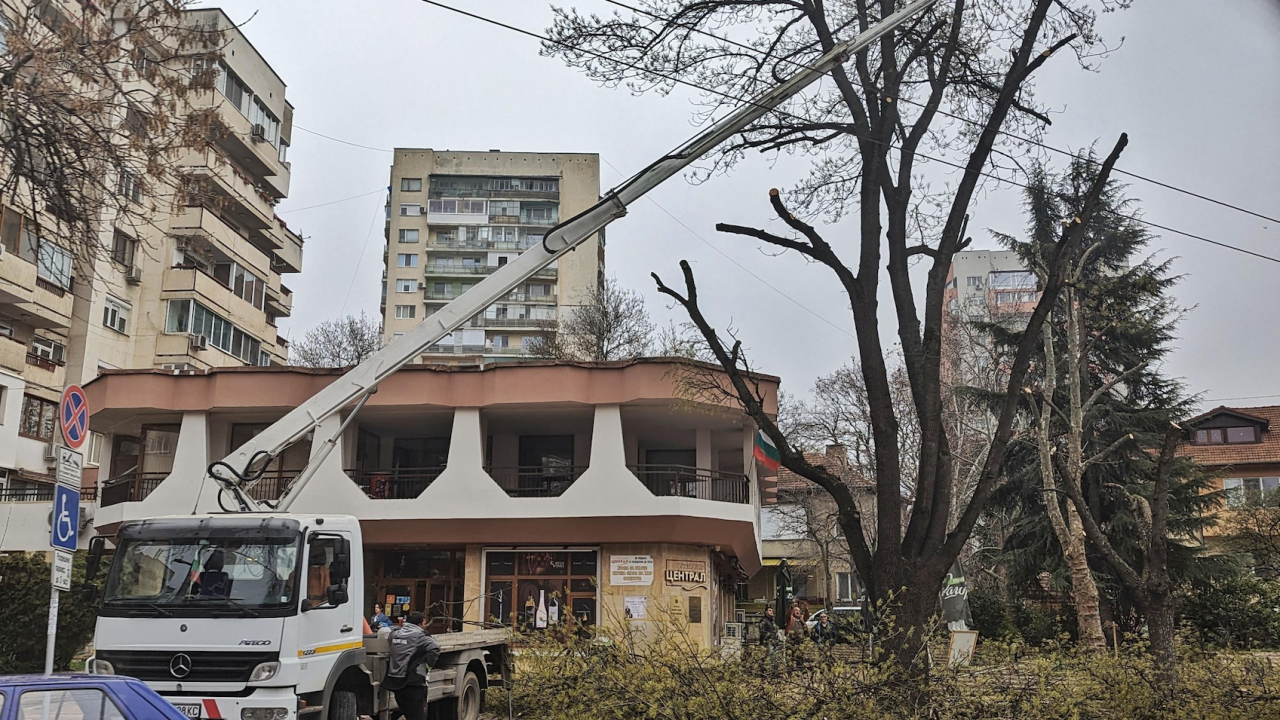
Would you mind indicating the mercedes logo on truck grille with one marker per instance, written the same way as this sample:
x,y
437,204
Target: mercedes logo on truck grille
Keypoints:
x,y
180,665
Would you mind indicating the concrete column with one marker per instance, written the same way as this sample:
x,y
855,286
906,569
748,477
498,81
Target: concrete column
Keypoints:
x,y
331,490
466,444
607,446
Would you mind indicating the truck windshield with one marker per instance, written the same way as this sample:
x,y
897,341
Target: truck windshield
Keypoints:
x,y
189,575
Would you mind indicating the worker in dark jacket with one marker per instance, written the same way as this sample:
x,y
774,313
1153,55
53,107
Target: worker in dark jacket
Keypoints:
x,y
412,652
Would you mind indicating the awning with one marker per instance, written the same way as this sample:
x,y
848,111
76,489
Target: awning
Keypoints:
x,y
771,562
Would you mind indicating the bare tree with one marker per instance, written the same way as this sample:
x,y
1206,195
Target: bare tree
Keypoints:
x,y
612,324
867,129
1254,531
343,342
98,102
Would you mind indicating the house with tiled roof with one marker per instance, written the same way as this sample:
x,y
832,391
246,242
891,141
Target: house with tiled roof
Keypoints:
x,y
800,527
1241,446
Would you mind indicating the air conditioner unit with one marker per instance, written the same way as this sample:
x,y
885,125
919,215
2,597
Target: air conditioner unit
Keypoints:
x,y
199,342
259,133
134,276
50,451
422,286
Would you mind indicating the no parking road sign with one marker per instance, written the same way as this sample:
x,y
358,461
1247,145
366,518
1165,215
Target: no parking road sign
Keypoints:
x,y
73,416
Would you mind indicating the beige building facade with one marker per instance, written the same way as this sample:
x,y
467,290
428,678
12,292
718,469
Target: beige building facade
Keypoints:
x,y
454,217
188,288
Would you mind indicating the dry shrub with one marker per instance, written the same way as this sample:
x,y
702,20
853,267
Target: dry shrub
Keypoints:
x,y
653,670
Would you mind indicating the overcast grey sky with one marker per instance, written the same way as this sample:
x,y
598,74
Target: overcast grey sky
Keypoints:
x,y
1196,84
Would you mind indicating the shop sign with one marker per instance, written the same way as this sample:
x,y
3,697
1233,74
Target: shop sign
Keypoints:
x,y
631,570
686,572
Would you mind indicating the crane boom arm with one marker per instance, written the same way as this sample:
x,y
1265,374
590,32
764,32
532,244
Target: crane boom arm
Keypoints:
x,y
364,378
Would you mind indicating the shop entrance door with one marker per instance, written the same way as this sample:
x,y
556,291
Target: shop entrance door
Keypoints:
x,y
427,580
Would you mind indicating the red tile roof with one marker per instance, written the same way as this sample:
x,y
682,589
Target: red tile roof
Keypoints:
x,y
834,460
1267,451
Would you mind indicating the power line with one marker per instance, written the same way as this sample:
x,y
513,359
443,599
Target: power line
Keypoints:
x,y
883,143
356,273
742,267
945,113
339,140
1246,397
332,202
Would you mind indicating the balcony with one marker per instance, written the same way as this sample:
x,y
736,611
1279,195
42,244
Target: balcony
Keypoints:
x,y
131,487
259,157
515,323
244,202
280,301
395,483
439,269
434,192
135,487
453,243
288,257
13,353
535,481
523,219
41,493
204,223
43,371
193,282
691,482
456,350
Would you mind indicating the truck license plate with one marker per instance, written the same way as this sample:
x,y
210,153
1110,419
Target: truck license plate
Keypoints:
x,y
191,711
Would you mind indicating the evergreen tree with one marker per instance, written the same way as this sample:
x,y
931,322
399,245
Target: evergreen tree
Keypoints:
x,y
1115,323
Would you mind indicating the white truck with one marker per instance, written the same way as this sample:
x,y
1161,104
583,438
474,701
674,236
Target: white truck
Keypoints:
x,y
250,616
256,613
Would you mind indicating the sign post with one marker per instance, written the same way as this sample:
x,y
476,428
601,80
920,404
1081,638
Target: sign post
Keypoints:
x,y
64,521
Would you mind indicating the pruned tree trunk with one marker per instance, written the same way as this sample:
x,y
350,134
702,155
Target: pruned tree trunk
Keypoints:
x,y
1068,530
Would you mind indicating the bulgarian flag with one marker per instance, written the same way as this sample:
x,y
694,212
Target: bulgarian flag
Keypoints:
x,y
766,452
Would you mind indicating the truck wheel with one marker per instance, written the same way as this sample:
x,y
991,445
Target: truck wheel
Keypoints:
x,y
342,705
471,699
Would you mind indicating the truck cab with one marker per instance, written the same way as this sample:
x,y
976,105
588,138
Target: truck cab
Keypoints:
x,y
244,616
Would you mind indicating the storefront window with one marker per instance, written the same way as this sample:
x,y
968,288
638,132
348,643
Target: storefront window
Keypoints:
x,y
534,590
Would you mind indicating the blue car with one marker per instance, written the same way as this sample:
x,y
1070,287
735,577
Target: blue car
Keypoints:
x,y
81,697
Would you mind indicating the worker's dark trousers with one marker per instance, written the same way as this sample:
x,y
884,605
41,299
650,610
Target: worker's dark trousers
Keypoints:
x,y
412,700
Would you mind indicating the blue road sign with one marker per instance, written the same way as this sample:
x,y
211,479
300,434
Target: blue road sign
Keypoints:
x,y
66,518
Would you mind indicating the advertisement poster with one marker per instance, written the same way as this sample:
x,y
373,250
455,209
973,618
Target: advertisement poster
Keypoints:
x,y
631,570
637,607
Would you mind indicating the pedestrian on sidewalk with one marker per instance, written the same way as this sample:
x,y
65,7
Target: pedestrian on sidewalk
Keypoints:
x,y
413,651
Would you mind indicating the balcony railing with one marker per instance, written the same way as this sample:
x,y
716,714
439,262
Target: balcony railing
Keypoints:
x,y
457,349
131,487
43,362
135,487
523,219
535,481
690,482
43,493
452,269
395,483
453,243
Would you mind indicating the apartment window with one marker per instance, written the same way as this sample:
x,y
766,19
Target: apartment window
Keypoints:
x,y
53,264
973,281
115,314
38,418
94,455
11,230
135,122
844,586
48,349
233,89
446,237
542,185
504,208
187,316
472,207
408,236
1241,435
410,209
407,260
1013,279
259,115
406,312
284,151
1241,491
406,286
440,288
130,187
242,283
6,327
501,341
123,248
539,290
410,184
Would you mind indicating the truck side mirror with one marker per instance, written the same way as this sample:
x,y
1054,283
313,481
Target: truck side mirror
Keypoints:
x,y
90,593
336,594
340,567
97,546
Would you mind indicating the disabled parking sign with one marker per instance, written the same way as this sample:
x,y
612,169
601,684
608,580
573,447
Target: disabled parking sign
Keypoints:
x,y
64,524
